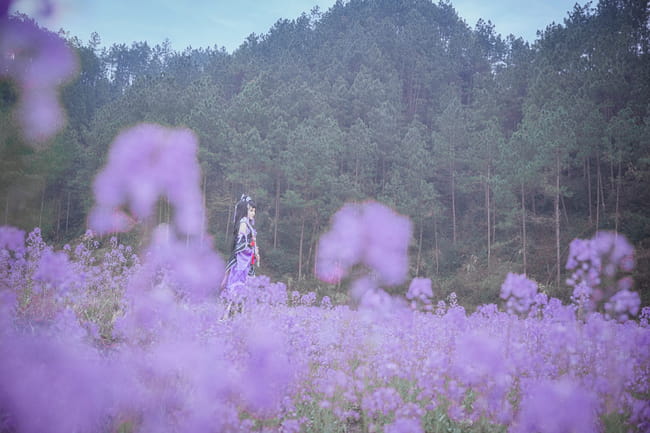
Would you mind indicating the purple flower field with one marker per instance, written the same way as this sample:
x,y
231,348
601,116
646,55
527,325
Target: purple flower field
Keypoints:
x,y
108,339
101,340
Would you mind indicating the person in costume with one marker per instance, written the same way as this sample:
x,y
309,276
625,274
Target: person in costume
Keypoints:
x,y
245,253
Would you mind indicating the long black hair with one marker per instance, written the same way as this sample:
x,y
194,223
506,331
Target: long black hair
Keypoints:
x,y
241,210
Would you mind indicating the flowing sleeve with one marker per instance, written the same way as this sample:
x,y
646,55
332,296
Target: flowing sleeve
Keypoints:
x,y
241,246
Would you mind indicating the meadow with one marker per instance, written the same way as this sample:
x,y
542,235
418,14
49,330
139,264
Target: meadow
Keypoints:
x,y
97,336
101,339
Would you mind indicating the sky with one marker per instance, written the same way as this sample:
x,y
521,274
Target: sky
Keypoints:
x,y
227,23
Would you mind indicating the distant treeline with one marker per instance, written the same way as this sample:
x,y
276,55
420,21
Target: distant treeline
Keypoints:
x,y
500,151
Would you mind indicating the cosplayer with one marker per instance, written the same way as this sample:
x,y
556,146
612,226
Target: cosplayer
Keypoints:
x,y
245,254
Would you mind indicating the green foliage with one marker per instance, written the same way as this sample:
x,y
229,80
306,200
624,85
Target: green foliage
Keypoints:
x,y
462,130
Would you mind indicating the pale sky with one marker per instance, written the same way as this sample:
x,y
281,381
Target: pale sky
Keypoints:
x,y
227,23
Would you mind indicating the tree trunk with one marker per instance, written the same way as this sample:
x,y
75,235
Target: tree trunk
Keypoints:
x,y
618,194
40,215
602,192
589,190
310,252
523,225
598,191
356,170
435,241
453,203
417,261
612,184
58,216
205,209
277,213
557,217
302,238
228,224
67,214
493,219
487,213
566,214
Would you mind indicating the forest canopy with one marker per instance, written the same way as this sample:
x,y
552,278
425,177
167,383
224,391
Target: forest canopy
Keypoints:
x,y
499,151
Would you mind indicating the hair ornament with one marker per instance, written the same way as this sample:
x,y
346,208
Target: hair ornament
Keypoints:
x,y
243,199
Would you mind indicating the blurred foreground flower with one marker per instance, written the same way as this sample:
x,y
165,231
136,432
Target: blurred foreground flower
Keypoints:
x,y
557,406
38,61
147,162
54,385
54,269
267,372
420,292
601,267
519,292
369,233
194,267
12,238
623,305
404,425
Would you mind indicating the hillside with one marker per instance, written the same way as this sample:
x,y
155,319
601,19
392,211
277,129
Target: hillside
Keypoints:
x,y
500,152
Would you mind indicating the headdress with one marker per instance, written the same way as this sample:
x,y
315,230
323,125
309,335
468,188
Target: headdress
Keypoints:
x,y
243,199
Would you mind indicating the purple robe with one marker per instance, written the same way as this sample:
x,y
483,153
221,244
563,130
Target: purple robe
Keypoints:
x,y
239,264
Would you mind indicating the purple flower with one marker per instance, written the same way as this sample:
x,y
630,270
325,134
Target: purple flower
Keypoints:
x,y
579,251
404,425
644,318
53,385
145,163
487,310
361,285
66,323
479,357
623,305
519,291
258,289
290,426
381,402
194,266
377,304
420,290
556,311
8,302
410,410
39,61
441,308
109,220
557,406
308,299
55,269
387,238
582,297
267,371
342,246
368,233
12,239
597,266
616,248
326,302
